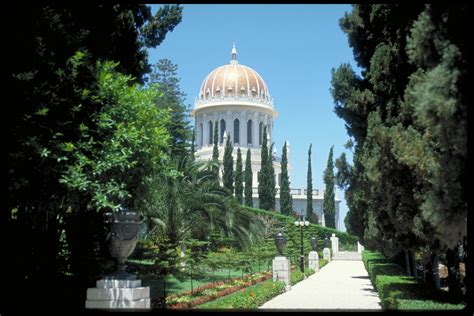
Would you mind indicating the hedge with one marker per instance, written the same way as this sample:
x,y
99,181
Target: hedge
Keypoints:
x,y
344,238
398,291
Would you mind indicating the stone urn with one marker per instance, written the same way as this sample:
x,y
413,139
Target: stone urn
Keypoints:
x,y
123,236
314,243
280,243
326,243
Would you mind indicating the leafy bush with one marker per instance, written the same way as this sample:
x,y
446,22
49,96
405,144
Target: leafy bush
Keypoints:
x,y
397,291
296,276
322,263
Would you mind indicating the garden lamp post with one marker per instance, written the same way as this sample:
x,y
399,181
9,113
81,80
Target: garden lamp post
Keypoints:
x,y
301,223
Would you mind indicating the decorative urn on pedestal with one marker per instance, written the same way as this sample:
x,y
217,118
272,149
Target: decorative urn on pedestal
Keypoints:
x,y
120,290
123,236
314,243
280,242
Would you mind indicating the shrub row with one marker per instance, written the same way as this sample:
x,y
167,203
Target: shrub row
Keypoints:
x,y
397,291
344,238
211,291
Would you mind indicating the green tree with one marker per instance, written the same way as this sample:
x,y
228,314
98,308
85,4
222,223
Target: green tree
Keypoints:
x,y
239,187
309,188
248,180
228,170
266,183
329,206
165,74
286,203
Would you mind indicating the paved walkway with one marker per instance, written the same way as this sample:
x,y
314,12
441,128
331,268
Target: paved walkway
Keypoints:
x,y
340,285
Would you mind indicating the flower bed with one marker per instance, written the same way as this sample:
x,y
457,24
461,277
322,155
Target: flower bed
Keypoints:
x,y
249,298
211,291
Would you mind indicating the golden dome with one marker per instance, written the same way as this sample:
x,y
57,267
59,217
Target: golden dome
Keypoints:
x,y
234,81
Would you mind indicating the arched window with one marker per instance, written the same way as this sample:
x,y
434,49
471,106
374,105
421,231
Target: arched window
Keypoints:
x,y
249,132
236,131
211,134
201,134
260,133
222,130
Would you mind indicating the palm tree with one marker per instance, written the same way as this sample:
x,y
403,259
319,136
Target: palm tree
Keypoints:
x,y
190,204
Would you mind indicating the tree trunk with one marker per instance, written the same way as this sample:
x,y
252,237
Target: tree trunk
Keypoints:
x,y
435,270
452,261
407,262
413,263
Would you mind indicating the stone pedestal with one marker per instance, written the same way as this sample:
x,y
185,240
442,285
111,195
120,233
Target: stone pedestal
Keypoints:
x,y
282,270
327,254
118,295
334,244
313,261
360,248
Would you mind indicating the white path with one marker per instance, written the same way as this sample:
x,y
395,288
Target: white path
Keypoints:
x,y
340,285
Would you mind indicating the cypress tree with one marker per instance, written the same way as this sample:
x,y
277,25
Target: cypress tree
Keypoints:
x,y
239,187
286,204
228,174
248,180
329,204
215,149
309,187
271,180
263,174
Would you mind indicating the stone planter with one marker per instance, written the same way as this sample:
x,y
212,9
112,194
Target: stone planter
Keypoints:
x,y
123,236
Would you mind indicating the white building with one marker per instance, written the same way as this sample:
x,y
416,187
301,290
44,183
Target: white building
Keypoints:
x,y
237,97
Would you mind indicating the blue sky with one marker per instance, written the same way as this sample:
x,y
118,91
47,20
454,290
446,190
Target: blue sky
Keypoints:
x,y
293,47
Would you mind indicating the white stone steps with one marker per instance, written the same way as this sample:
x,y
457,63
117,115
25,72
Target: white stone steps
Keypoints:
x,y
347,256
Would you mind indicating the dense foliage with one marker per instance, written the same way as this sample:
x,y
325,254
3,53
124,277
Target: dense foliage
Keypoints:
x,y
79,137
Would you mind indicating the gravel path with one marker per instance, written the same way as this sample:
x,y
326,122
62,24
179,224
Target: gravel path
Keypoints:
x,y
340,285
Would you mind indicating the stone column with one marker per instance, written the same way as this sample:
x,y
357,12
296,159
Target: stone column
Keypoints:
x,y
334,244
313,260
282,270
205,125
